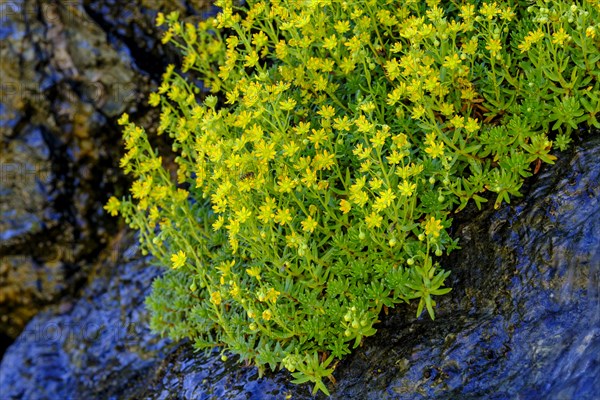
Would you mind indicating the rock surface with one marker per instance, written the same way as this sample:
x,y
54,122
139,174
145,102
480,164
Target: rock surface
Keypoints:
x,y
63,86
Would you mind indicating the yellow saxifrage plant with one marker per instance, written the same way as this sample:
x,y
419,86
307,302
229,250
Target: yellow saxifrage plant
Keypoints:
x,y
315,186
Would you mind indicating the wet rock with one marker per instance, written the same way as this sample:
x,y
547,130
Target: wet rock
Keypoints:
x,y
523,321
98,346
63,87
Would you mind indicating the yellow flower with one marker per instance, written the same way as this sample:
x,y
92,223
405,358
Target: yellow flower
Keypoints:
x,y
141,189
536,36
124,119
330,43
395,157
285,184
113,206
309,224
451,62
467,11
458,121
384,200
435,149
168,35
394,96
264,151
470,47
375,183
342,124
326,112
524,46
154,99
318,137
362,124
323,185
272,295
494,46
560,37
472,125
251,59
154,215
287,104
508,14
433,227
160,19
418,112
324,160
373,220
178,259
345,206
361,152
359,197
254,272
309,178
447,109
387,197
243,215
380,136
342,27
267,314
259,39
406,188
489,10
396,47
393,69
291,148
234,291
281,49
283,216
215,298
233,227
531,38
218,223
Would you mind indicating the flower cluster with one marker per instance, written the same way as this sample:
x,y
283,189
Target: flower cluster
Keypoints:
x,y
315,185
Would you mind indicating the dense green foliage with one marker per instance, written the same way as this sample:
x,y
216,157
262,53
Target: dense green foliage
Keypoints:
x,y
315,186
